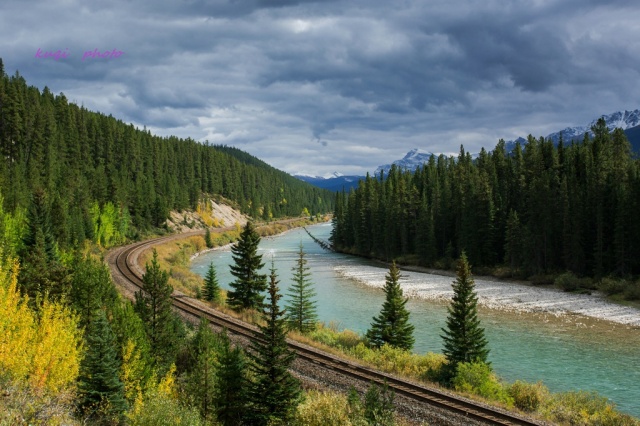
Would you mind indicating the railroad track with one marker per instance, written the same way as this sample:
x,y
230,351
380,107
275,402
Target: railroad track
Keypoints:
x,y
124,261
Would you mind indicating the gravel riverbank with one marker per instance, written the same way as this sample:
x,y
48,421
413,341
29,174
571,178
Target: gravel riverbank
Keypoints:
x,y
502,295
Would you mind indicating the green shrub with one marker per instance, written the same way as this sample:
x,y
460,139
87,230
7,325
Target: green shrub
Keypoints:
x,y
402,362
567,282
330,336
378,406
612,286
632,291
478,379
584,408
527,396
160,409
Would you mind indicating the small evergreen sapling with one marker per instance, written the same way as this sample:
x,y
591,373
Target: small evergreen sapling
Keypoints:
x,y
249,283
392,326
301,309
211,288
207,238
463,337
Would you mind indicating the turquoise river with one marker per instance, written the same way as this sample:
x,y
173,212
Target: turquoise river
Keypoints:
x,y
564,353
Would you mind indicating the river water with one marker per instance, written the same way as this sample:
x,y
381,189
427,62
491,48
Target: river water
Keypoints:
x,y
565,352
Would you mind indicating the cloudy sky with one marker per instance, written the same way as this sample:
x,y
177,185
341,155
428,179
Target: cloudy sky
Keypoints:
x,y
321,86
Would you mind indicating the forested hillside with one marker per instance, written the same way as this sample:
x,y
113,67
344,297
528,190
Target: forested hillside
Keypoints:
x,y
541,209
85,163
72,350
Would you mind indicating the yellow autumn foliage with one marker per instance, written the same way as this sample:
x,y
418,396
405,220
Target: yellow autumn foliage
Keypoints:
x,y
325,409
131,373
17,330
44,349
56,362
205,210
167,385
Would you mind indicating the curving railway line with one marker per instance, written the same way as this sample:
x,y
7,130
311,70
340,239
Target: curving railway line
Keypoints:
x,y
123,262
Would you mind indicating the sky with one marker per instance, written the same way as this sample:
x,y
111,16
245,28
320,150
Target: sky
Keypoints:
x,y
316,87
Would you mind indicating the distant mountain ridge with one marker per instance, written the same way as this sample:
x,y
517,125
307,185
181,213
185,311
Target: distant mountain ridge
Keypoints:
x,y
411,161
337,182
629,121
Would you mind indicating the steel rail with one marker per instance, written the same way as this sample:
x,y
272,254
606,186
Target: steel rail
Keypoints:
x,y
126,264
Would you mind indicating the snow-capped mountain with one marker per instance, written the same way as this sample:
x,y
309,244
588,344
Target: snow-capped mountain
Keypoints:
x,y
625,120
629,121
411,161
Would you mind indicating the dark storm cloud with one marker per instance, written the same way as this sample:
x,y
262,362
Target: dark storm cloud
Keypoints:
x,y
318,86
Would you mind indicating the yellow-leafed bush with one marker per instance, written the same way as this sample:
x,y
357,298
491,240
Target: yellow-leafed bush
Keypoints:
x,y
17,329
477,378
584,408
57,352
44,350
399,361
527,396
325,409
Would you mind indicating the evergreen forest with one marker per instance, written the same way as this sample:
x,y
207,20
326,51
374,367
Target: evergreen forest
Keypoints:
x,y
104,179
539,210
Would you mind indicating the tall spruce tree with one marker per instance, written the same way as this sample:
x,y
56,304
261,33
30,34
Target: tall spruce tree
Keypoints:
x,y
392,326
153,304
101,391
230,396
91,288
301,309
211,289
274,393
249,282
463,337
201,378
41,271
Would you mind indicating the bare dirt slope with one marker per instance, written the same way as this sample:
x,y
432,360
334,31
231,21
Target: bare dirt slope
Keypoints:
x,y
188,220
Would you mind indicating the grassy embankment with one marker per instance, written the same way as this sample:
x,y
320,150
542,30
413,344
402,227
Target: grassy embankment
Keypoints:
x,y
174,256
473,381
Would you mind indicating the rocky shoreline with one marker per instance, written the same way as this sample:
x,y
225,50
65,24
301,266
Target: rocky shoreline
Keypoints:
x,y
501,295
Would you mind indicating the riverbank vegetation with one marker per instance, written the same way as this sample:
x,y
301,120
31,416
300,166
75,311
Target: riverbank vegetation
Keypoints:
x,y
175,256
469,375
535,212
474,380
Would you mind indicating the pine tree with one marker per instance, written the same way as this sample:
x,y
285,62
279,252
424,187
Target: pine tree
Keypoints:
x,y
207,238
101,391
153,304
91,288
249,283
463,337
274,393
378,405
392,326
301,310
41,273
231,384
211,289
201,381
